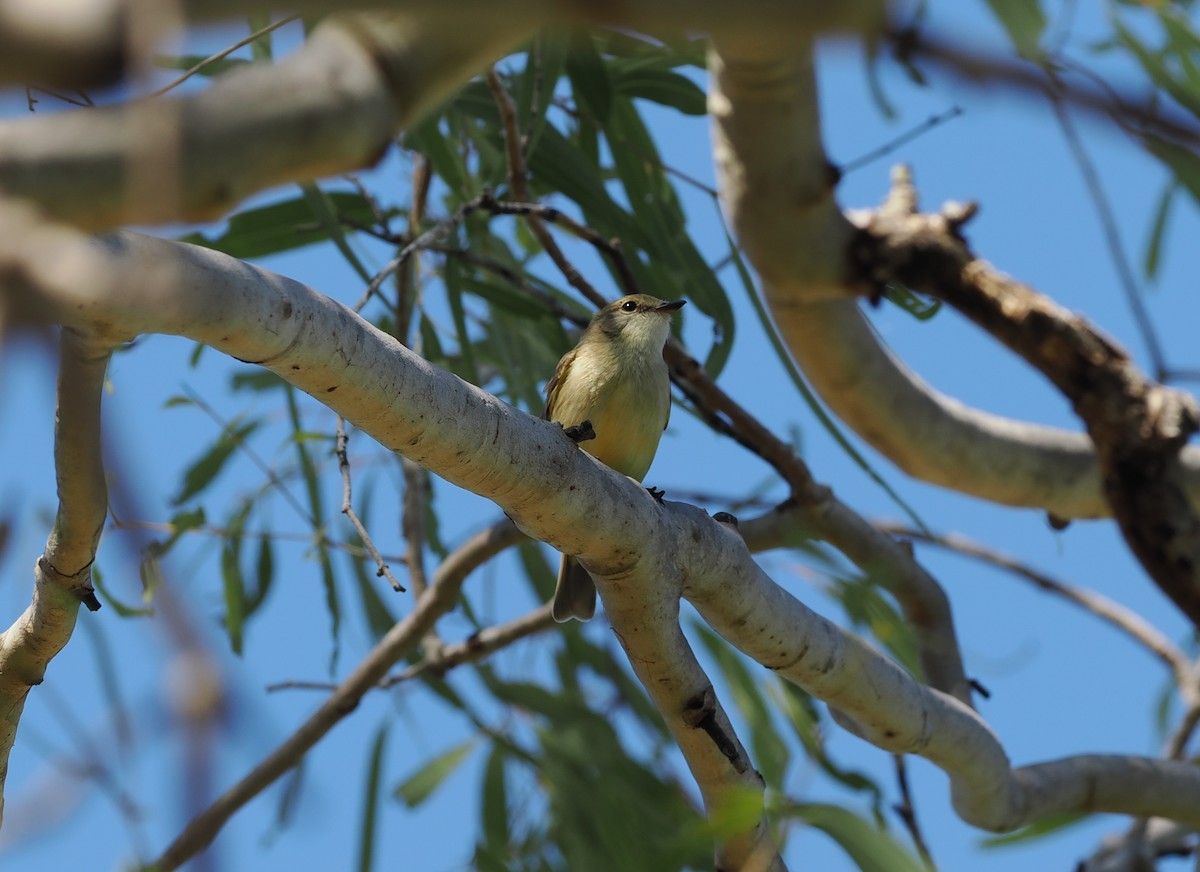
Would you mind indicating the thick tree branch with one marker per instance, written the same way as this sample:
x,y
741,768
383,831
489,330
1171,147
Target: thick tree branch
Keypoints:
x,y
777,189
62,575
885,706
331,107
1138,426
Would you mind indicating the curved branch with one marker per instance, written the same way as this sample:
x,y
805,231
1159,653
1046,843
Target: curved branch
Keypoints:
x,y
1139,427
777,189
1113,613
887,707
62,576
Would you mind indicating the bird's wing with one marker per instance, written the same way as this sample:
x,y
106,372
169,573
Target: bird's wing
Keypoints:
x,y
556,380
667,417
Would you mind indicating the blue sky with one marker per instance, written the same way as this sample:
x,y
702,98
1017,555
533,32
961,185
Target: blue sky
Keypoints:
x,y
1061,682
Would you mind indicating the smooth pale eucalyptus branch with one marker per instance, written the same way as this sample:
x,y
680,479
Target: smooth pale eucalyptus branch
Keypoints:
x,y
777,189
62,575
332,107
884,705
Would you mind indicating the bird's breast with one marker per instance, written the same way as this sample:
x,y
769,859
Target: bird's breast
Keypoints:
x,y
627,409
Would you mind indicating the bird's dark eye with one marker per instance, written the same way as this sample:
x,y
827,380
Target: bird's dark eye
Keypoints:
x,y
629,306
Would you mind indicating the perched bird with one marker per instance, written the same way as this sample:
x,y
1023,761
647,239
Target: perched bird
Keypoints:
x,y
617,380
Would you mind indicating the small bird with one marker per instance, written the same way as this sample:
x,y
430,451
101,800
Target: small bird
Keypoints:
x,y
616,380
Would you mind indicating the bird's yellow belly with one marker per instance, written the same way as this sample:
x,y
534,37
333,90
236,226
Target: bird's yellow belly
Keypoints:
x,y
628,425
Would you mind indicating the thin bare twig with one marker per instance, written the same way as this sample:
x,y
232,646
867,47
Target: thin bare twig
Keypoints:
x,y
441,596
348,508
908,812
448,656
517,180
1116,615
1189,690
226,533
903,139
252,455
1112,235
412,523
224,53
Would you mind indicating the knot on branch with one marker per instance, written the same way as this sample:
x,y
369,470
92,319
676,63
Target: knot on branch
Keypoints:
x,y
79,583
700,713
899,243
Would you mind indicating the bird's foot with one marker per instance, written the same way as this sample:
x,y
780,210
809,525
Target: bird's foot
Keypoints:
x,y
580,432
656,493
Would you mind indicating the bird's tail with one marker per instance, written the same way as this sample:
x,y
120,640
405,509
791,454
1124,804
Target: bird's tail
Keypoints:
x,y
575,594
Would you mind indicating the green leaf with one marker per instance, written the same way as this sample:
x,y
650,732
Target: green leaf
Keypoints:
x,y
328,219
1159,66
370,815
205,469
181,524
1158,230
264,574
1183,162
810,399
122,610
375,609
150,573
493,810
289,794
260,48
419,786
1037,830
539,574
588,77
308,471
664,87
283,226
802,714
187,61
866,606
559,165
676,266
452,277
771,755
919,307
873,850
428,139
1024,22
543,68
234,586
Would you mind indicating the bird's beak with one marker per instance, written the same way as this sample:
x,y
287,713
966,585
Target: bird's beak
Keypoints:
x,y
672,306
